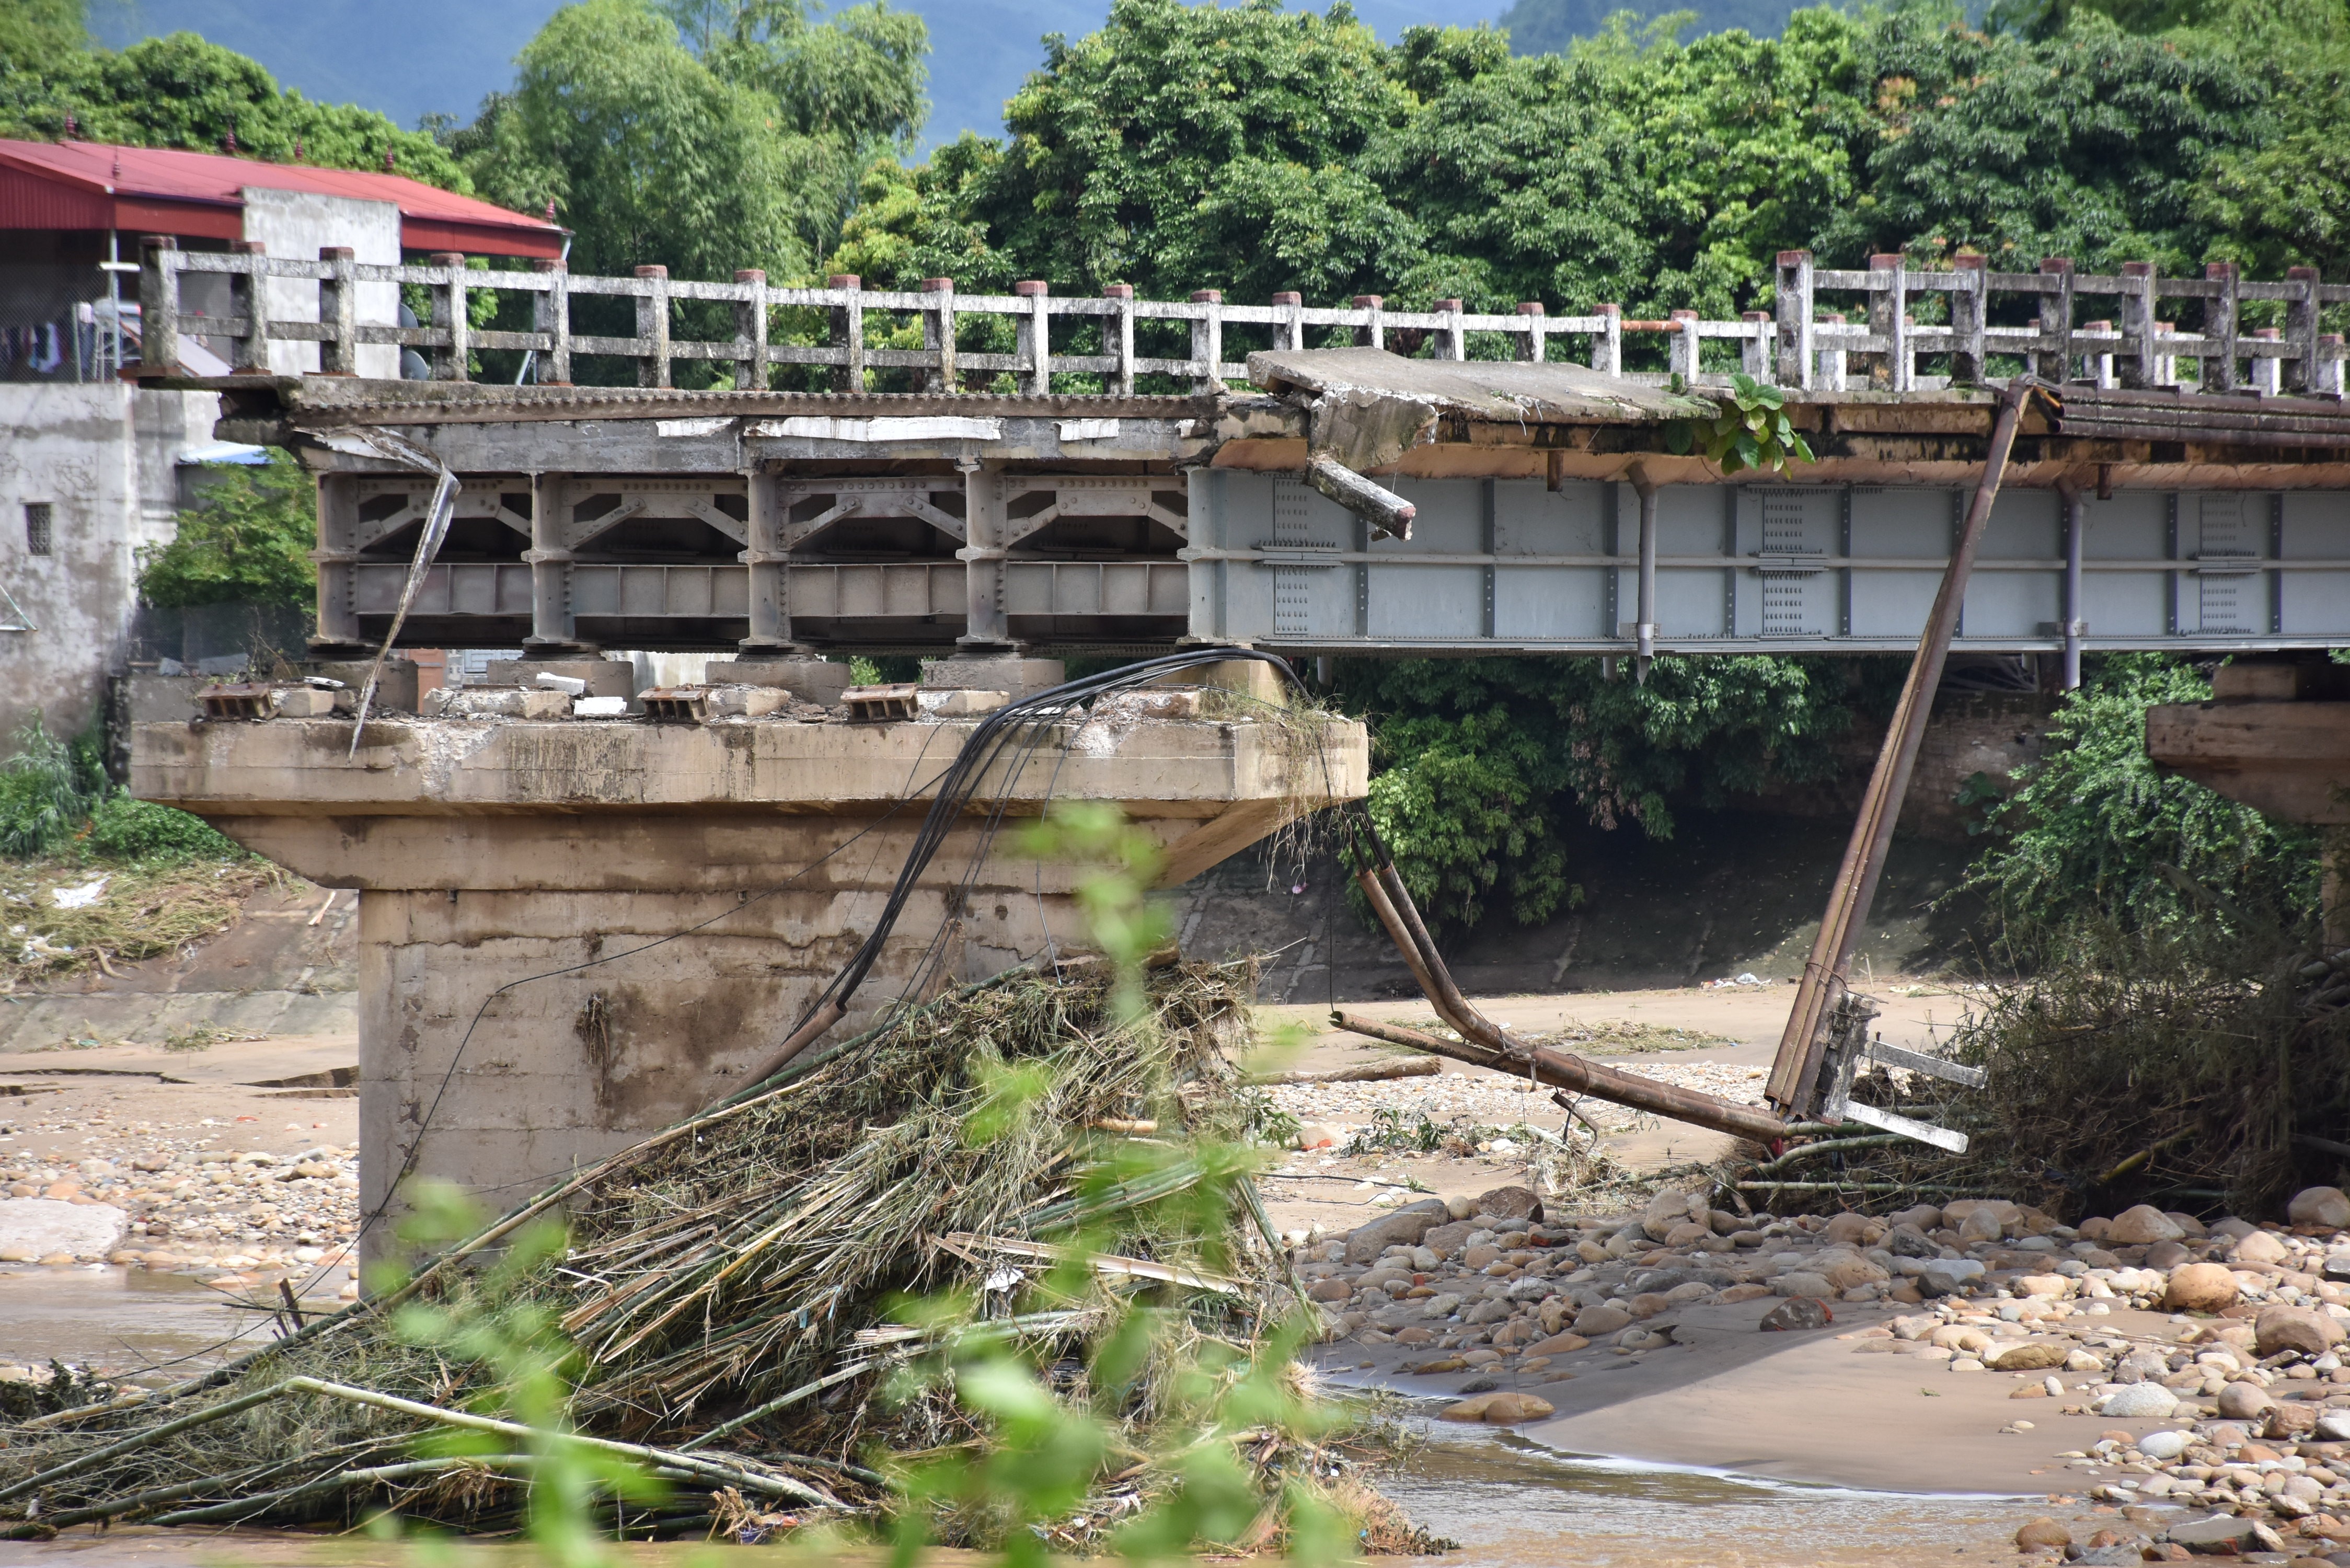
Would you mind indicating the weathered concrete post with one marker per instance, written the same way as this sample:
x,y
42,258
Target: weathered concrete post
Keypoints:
x,y
939,335
2141,356
1208,341
248,297
550,313
2219,323
159,305
448,314
848,331
1889,320
1530,341
1969,317
1372,333
2300,320
1791,303
1117,337
652,327
2054,363
750,330
1033,338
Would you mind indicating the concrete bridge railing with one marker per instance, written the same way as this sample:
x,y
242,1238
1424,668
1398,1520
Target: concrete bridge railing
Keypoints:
x,y
1877,343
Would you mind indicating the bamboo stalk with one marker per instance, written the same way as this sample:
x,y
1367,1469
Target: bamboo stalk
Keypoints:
x,y
248,1506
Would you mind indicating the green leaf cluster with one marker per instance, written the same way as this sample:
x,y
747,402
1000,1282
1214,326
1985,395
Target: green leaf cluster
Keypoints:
x,y
246,541
1483,765
702,135
181,91
2094,836
1751,431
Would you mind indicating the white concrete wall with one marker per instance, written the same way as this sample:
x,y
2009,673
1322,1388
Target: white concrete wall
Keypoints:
x,y
294,224
102,456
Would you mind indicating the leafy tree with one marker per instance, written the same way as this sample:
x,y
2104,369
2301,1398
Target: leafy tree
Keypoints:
x,y
1480,760
2088,145
182,91
248,541
34,31
2094,836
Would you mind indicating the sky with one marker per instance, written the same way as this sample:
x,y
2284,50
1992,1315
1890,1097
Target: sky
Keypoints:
x,y
443,55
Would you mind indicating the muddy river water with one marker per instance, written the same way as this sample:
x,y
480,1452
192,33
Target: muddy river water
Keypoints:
x,y
1506,1501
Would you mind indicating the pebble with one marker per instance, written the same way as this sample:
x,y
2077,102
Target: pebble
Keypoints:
x,y
199,1209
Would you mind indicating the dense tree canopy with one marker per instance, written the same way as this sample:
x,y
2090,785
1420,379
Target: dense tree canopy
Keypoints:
x,y
181,91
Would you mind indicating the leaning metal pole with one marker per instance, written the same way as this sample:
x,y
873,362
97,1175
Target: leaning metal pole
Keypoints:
x,y
1795,1075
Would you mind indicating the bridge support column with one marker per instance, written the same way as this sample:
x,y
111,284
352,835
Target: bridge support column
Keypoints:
x,y
574,933
985,629
553,629
338,617
769,565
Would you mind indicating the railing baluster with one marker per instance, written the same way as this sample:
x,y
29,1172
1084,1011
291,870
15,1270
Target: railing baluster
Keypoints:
x,y
2100,366
1208,341
1793,304
551,314
652,327
1451,339
2329,363
938,334
1033,334
1828,375
1289,331
1682,349
1373,333
2054,363
1119,333
1607,343
248,295
2267,373
1754,348
2220,321
2141,362
339,311
848,331
449,311
1530,342
159,305
1887,295
751,331
2301,328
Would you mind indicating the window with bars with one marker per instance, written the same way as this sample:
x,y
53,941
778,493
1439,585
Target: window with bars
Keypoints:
x,y
40,528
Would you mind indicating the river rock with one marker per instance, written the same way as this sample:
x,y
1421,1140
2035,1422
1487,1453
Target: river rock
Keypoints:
x,y
2305,1329
2168,1255
2142,1227
2320,1207
1598,1322
2042,1534
2055,1287
2164,1447
1848,1272
2220,1530
1511,1203
2200,1287
1803,1283
1669,1208
35,1228
1557,1345
1797,1313
1855,1230
2259,1247
1404,1227
1949,1276
2031,1355
2334,1426
1448,1238
2139,1401
2243,1402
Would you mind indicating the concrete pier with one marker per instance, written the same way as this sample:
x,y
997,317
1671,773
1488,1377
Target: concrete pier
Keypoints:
x,y
532,865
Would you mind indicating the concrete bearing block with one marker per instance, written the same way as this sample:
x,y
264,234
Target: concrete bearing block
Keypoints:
x,y
818,680
602,677
994,672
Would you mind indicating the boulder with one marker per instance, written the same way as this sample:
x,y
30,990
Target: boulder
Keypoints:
x,y
1557,1345
2042,1534
1803,1283
2164,1447
2320,1207
1448,1238
2031,1355
1596,1322
1461,1208
1669,1208
1510,1203
2221,1531
2243,1402
52,1227
1949,1276
1797,1313
2056,1287
2141,1227
2259,1247
1404,1227
1923,1217
2139,1401
2200,1287
1848,1273
2334,1426
1855,1230
2311,1332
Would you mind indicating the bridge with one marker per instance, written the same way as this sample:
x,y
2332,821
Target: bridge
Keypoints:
x,y
926,471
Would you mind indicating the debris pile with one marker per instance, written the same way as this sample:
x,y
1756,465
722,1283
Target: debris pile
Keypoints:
x,y
735,1291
